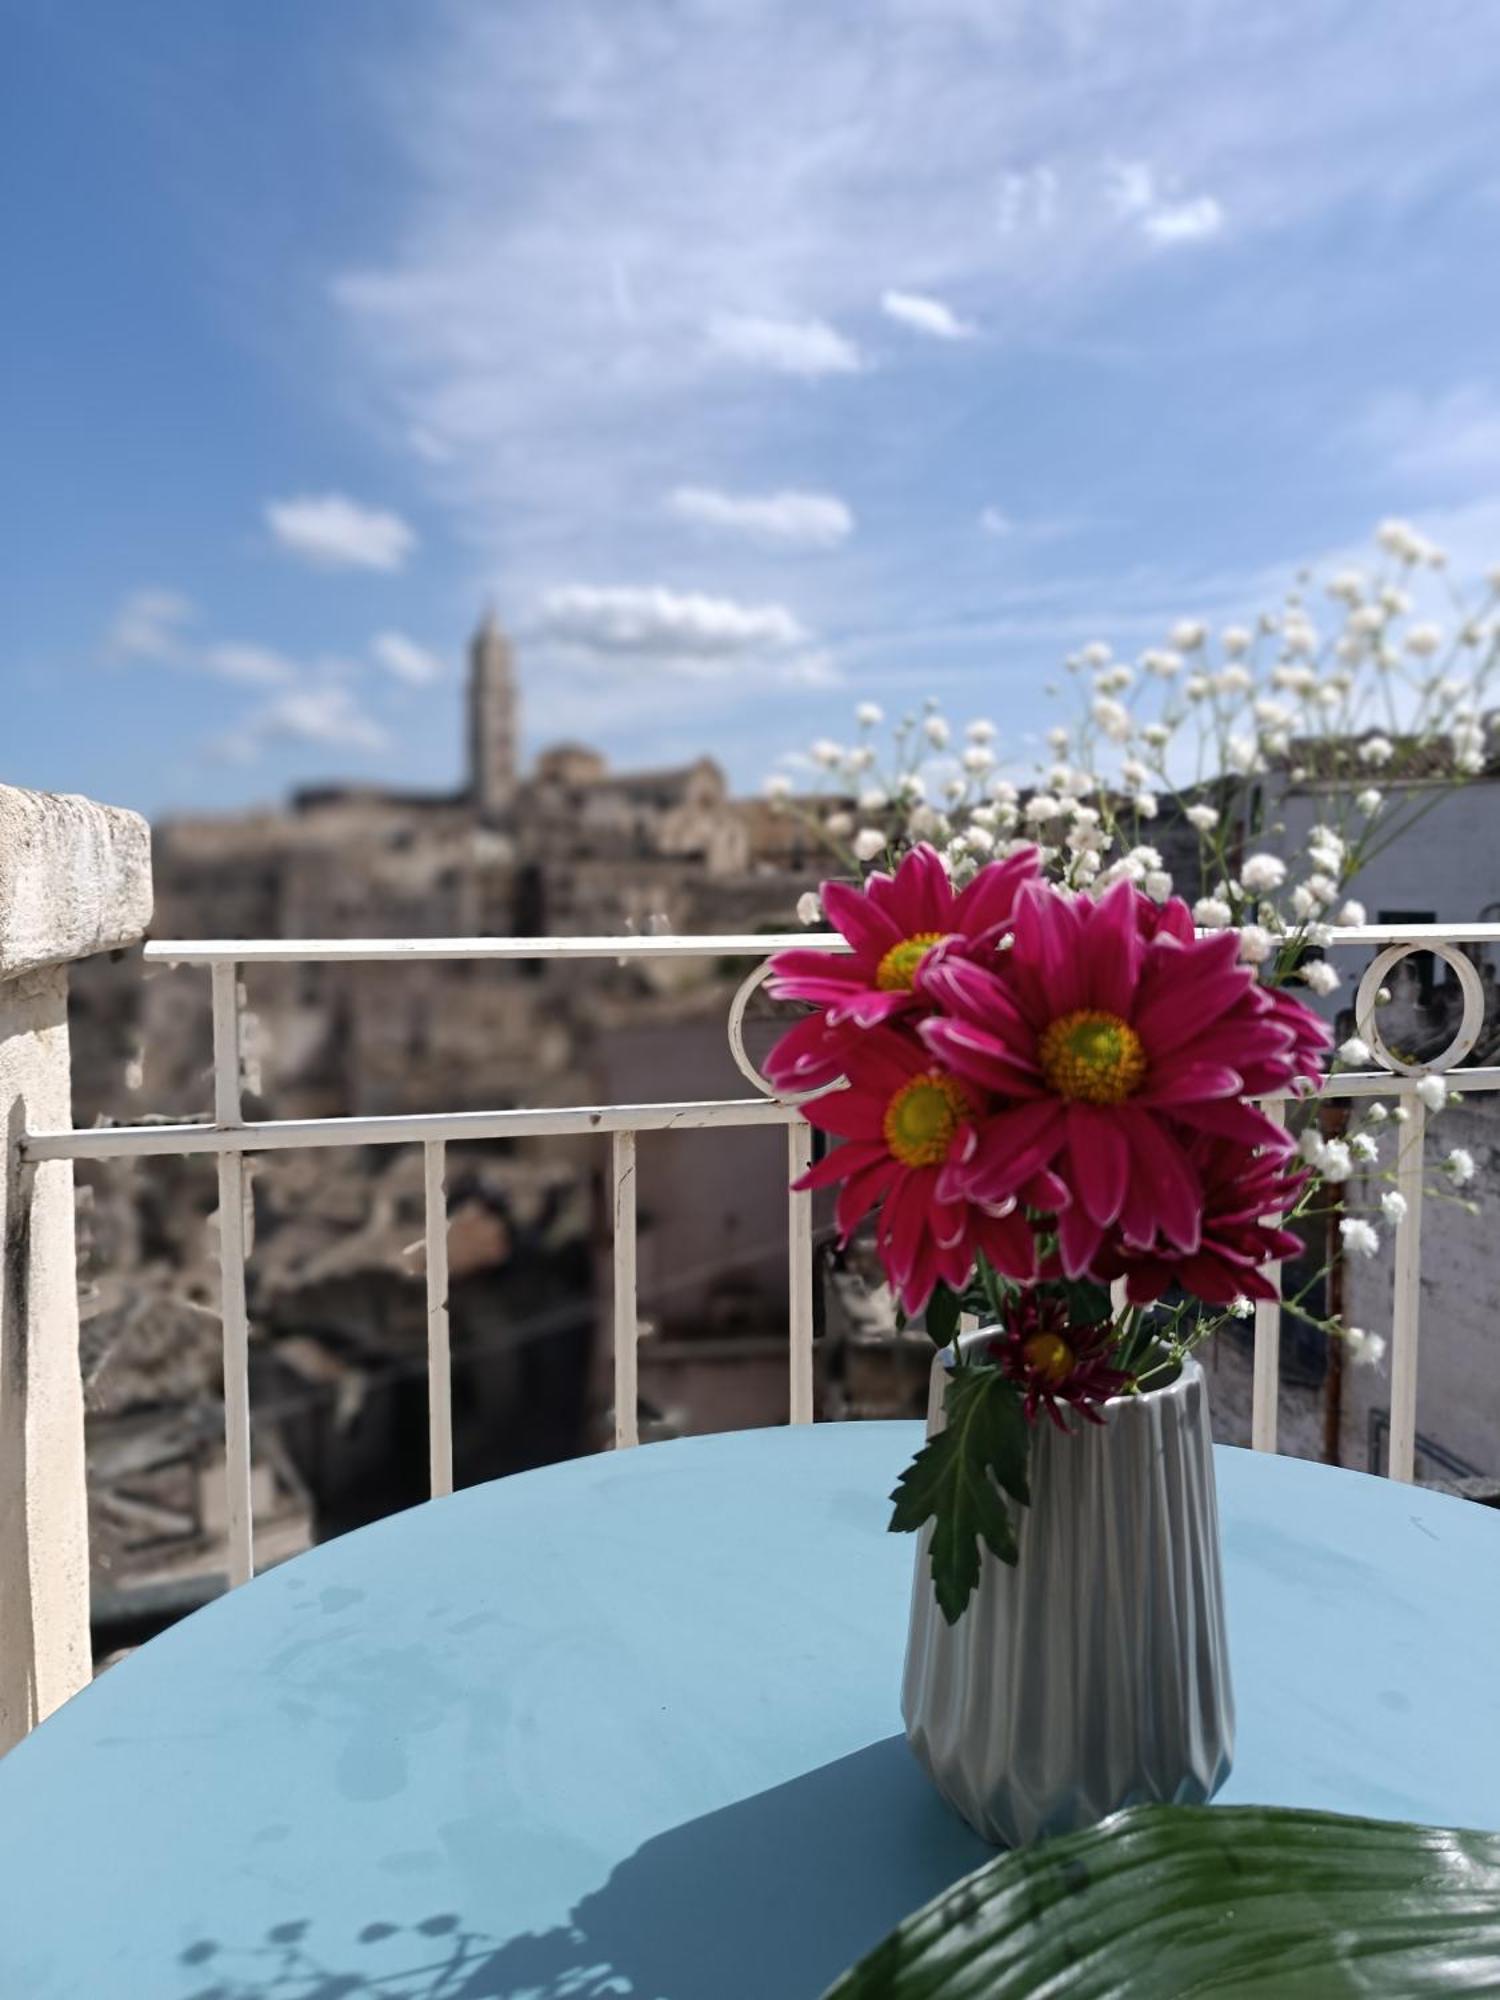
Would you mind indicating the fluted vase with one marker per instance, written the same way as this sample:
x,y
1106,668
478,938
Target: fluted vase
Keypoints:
x,y
1094,1674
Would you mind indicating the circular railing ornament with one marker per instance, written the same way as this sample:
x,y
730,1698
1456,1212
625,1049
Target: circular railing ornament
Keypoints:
x,y
1470,1024
743,995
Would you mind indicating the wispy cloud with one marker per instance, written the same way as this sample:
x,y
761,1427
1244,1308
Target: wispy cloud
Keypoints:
x,y
926,315
331,531
151,624
1440,440
252,666
405,660
329,717
787,519
1135,193
806,347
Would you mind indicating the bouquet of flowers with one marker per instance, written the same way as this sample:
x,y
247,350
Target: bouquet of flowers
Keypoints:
x,y
1045,1095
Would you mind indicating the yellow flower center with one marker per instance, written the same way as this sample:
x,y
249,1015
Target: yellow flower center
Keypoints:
x,y
1050,1355
1095,1056
897,971
922,1117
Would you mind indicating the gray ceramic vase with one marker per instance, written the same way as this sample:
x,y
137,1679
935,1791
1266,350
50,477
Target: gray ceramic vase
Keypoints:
x,y
1095,1674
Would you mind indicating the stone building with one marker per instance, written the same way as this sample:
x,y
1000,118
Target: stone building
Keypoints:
x,y
337,1300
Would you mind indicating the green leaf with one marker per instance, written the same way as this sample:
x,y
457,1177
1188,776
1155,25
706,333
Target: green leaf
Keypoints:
x,y
955,1482
1088,1303
941,1317
1237,1902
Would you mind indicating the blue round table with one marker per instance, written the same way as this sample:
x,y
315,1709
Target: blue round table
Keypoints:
x,y
629,1726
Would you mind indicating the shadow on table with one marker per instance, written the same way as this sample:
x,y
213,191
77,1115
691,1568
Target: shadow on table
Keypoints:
x,y
769,1899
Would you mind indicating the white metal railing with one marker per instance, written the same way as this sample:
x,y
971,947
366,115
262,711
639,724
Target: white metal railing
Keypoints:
x,y
230,1137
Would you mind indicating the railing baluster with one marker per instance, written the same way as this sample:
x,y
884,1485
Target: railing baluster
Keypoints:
x,y
1265,1381
439,1353
799,1145
232,1249
626,1320
1406,1299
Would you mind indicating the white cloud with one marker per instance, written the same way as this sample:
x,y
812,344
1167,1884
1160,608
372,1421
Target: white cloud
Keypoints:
x,y
329,716
1448,439
788,519
150,624
806,347
252,666
1184,221
331,531
405,659
926,315
672,627
1132,189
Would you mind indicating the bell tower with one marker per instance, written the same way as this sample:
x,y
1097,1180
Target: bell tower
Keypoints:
x,y
492,721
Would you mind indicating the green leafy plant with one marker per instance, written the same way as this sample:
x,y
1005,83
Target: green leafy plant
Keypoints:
x,y
1238,1902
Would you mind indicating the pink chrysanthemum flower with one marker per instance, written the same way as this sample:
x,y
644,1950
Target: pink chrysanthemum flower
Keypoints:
x,y
1106,1037
902,1119
1240,1196
891,926
1054,1362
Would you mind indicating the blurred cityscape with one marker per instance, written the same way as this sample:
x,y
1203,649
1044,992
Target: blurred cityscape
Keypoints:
x,y
337,1296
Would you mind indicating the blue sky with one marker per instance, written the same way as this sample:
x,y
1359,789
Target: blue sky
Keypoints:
x,y
753,357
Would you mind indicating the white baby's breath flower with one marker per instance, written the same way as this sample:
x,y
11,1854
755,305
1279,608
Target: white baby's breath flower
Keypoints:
x,y
1235,639
1322,977
1369,801
1112,717
978,758
1163,663
1233,680
1433,1092
1348,584
809,907
1256,944
1041,807
1205,818
1145,804
778,787
827,753
1361,1238
1393,1204
1334,1161
873,800
1459,1166
1196,686
1364,1148
1212,913
1096,653
1188,634
1376,1113
1355,1052
1158,884
1242,1308
1366,1350
1376,751
1058,739
869,715
979,840
1351,916
911,786
1156,734
937,732
839,825
1242,753
1424,640
1263,873
981,730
